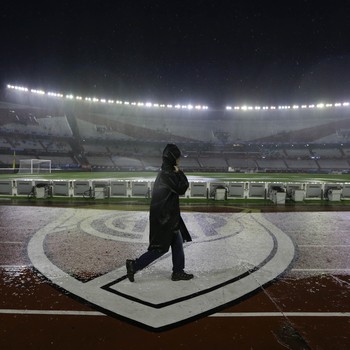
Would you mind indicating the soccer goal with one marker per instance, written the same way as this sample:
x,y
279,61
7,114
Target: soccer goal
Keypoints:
x,y
34,166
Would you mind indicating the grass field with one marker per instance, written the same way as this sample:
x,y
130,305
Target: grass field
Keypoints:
x,y
265,177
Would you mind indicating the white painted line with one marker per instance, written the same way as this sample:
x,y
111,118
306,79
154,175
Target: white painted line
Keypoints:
x,y
320,270
51,312
324,245
8,242
281,314
219,314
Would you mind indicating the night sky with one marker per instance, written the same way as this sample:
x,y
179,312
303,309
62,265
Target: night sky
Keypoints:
x,y
190,51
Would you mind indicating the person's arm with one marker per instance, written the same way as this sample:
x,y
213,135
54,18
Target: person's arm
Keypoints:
x,y
177,181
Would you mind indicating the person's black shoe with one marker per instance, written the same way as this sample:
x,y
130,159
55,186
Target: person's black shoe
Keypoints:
x,y
181,276
130,269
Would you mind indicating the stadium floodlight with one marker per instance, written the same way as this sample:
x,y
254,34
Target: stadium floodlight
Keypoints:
x,y
39,92
19,88
54,94
177,106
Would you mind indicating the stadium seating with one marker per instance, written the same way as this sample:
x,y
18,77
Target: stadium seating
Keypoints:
x,y
121,137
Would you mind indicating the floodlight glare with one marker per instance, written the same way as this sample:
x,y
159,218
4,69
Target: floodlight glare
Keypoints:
x,y
39,92
177,106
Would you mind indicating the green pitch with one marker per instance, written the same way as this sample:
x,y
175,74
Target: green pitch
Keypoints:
x,y
264,177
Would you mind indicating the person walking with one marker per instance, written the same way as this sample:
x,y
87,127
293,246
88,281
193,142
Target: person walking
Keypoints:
x,y
167,228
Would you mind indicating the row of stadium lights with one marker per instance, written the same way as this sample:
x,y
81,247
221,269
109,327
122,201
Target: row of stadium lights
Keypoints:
x,y
319,105
108,101
177,106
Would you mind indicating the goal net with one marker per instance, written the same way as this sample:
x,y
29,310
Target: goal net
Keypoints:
x,y
34,166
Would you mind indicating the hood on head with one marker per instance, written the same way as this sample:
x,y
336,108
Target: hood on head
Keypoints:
x,y
171,153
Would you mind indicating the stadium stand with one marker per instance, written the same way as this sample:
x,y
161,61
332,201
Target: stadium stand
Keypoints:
x,y
298,153
302,165
124,137
271,164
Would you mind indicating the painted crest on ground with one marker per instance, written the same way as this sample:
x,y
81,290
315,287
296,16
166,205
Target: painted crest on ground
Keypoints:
x,y
231,256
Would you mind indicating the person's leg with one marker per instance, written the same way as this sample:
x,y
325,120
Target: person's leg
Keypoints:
x,y
177,252
146,258
132,266
178,256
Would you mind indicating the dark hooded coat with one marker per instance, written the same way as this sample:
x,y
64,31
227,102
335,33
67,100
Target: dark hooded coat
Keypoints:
x,y
165,218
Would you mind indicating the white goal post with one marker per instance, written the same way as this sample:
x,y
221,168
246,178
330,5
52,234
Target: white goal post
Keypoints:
x,y
34,166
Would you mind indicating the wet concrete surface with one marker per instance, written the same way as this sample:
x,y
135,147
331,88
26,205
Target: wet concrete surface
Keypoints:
x,y
310,303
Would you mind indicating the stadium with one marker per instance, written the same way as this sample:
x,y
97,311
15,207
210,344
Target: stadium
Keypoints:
x,y
267,206
247,150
